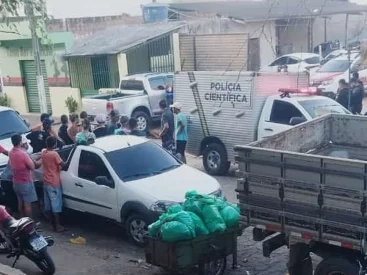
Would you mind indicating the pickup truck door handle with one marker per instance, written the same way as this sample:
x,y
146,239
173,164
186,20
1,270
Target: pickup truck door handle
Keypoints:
x,y
78,184
269,129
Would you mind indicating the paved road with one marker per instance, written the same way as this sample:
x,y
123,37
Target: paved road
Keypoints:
x,y
107,252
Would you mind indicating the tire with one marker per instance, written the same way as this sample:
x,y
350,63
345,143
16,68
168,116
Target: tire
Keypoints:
x,y
337,266
215,159
137,229
45,263
144,120
214,268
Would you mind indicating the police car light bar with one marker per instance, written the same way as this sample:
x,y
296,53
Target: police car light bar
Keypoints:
x,y
308,91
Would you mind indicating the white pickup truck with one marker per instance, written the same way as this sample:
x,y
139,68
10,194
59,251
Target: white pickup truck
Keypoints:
x,y
138,96
225,109
130,180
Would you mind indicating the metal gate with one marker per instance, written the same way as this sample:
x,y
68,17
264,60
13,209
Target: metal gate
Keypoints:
x,y
29,73
153,56
214,52
100,72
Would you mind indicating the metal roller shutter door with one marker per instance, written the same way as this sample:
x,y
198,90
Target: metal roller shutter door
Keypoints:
x,y
30,80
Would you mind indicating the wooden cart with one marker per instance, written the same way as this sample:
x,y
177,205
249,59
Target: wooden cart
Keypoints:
x,y
207,254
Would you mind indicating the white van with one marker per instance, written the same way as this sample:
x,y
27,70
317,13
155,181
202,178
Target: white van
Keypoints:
x,y
225,109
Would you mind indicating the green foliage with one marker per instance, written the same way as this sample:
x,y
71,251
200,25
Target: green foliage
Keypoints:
x,y
35,10
4,100
71,104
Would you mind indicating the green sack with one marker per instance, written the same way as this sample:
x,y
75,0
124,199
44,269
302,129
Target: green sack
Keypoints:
x,y
175,209
200,228
221,204
230,216
194,206
191,194
213,220
175,231
185,218
154,229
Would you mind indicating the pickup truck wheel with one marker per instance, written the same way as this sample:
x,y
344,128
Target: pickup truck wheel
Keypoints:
x,y
337,266
143,120
137,229
215,159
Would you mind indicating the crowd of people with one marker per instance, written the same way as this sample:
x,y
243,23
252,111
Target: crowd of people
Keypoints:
x,y
350,96
75,129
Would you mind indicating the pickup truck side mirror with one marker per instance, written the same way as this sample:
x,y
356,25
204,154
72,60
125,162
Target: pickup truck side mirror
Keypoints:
x,y
103,180
296,120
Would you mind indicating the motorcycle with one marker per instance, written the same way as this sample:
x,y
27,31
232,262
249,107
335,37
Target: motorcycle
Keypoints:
x,y
23,239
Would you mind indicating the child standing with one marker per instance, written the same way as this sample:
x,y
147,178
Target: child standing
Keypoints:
x,y
52,191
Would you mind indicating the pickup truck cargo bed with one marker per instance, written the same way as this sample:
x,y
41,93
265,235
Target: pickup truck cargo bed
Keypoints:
x,y
309,181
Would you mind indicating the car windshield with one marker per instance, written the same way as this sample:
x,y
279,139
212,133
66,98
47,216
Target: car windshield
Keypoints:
x,y
321,107
313,60
141,161
11,124
335,66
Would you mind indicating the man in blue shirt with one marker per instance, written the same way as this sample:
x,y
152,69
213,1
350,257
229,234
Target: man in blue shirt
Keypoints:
x,y
181,130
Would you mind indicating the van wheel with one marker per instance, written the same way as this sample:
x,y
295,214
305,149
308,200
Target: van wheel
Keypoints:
x,y
215,159
337,266
143,120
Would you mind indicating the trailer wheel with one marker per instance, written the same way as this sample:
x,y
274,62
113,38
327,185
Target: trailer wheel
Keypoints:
x,y
215,159
337,266
217,267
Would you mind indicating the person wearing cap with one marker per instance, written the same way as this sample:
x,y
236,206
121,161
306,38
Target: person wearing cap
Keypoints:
x,y
181,130
124,126
101,128
63,131
39,126
112,125
22,165
356,96
167,126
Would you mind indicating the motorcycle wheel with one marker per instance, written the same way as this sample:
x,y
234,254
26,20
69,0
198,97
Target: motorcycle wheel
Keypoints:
x,y
45,262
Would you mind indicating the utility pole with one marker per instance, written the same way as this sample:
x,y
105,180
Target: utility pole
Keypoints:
x,y
350,90
29,10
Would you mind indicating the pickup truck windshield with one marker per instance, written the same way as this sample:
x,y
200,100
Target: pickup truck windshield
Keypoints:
x,y
11,124
322,107
141,161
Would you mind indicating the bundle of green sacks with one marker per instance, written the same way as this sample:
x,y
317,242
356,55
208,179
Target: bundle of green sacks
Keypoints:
x,y
200,215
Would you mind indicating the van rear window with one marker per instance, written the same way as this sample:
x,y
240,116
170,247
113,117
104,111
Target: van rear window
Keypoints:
x,y
132,85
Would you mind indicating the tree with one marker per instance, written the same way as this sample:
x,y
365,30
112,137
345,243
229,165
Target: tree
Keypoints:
x,y
36,9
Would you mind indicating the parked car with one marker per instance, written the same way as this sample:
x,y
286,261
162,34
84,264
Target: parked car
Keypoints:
x,y
326,78
11,123
333,55
295,62
138,96
130,180
247,105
